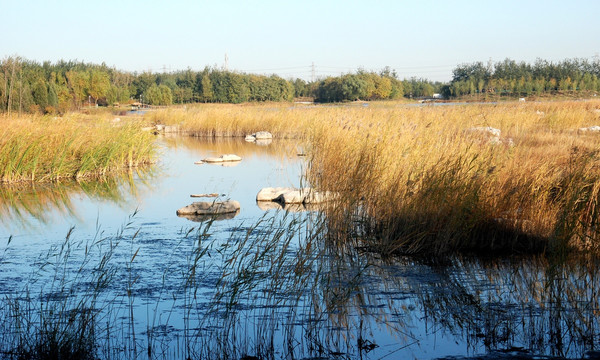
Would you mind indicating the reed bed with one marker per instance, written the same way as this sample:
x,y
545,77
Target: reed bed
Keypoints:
x,y
224,120
76,146
436,179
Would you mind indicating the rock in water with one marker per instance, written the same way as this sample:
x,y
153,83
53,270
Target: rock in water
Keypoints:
x,y
231,157
262,135
210,208
271,194
288,195
222,158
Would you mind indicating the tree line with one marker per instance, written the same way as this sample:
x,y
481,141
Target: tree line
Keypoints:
x,y
511,78
29,86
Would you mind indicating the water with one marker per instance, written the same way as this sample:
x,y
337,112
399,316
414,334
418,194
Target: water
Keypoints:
x,y
258,284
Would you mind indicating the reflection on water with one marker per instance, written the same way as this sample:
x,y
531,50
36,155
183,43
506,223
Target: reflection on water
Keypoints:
x,y
267,282
23,204
203,218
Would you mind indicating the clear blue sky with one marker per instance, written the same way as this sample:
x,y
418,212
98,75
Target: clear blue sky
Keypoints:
x,y
416,38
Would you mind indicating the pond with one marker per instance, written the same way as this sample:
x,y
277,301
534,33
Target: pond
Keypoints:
x,y
265,283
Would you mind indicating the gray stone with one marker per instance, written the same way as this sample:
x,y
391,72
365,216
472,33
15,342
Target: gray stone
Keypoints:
x,y
210,208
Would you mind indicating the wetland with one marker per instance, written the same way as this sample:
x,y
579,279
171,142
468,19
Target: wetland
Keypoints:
x,y
104,268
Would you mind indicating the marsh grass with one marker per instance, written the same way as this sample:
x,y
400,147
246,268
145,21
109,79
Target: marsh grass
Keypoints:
x,y
421,180
75,146
212,120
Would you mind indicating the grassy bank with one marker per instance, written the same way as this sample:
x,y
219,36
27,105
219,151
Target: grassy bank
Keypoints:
x,y
511,176
35,148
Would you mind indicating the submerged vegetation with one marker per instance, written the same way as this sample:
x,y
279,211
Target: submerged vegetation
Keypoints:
x,y
36,148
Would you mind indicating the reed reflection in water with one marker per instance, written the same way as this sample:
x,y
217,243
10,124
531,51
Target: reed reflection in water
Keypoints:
x,y
22,205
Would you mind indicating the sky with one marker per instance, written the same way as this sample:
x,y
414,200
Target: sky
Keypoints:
x,y
415,38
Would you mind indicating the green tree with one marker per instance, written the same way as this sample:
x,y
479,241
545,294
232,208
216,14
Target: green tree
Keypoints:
x,y
40,94
99,84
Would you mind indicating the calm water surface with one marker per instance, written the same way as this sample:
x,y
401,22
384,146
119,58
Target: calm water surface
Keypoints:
x,y
259,285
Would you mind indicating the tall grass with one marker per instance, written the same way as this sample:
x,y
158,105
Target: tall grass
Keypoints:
x,y
282,120
424,180
37,148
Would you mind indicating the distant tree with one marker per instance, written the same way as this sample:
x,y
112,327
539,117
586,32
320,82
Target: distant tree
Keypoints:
x,y
78,82
158,95
207,89
99,84
40,94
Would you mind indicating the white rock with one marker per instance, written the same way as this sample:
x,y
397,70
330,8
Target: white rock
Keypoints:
x,y
293,196
288,195
594,128
270,193
159,127
263,135
210,208
222,158
231,157
250,138
486,129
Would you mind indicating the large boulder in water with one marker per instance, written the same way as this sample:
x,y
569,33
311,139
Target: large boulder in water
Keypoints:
x,y
210,208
